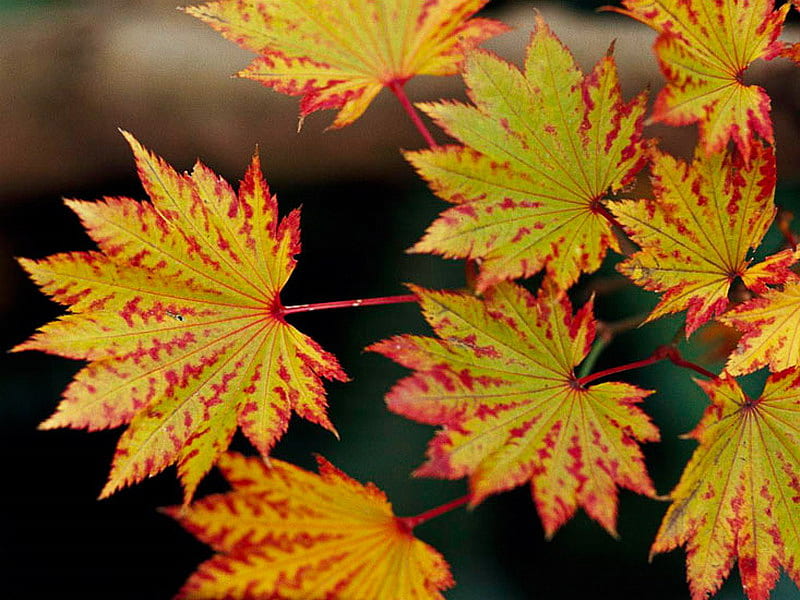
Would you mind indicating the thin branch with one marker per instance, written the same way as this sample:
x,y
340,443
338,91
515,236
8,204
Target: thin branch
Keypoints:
x,y
299,308
606,332
661,353
599,345
397,90
409,523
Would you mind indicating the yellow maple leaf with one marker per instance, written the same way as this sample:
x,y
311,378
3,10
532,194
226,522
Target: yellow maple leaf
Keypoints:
x,y
340,54
283,532
769,327
739,497
697,232
542,149
500,381
180,318
703,49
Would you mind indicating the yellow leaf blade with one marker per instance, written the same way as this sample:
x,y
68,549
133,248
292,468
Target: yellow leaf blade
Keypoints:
x,y
703,49
180,317
738,497
341,57
769,327
284,532
697,232
499,380
541,149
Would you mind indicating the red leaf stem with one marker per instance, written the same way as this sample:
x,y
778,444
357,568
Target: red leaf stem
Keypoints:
x,y
409,523
397,89
601,210
661,353
299,308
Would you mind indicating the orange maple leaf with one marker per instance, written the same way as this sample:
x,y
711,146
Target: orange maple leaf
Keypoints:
x,y
283,532
703,49
180,318
500,381
739,496
541,150
696,234
338,55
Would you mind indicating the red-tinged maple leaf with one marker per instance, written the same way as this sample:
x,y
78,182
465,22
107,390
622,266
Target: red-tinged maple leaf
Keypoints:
x,y
340,54
283,532
499,380
703,49
541,149
769,326
695,235
739,496
180,318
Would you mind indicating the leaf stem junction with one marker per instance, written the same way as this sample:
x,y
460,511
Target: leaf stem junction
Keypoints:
x,y
396,86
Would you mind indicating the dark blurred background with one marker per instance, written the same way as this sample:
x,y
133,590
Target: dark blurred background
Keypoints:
x,y
70,74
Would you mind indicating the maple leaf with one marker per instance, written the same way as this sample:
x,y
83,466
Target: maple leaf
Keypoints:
x,y
286,533
542,148
340,54
769,327
500,381
739,496
703,49
697,232
180,318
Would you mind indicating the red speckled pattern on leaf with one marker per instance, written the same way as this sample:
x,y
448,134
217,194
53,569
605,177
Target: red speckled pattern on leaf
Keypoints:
x,y
340,55
179,316
541,151
770,327
697,232
283,532
739,497
499,381
704,47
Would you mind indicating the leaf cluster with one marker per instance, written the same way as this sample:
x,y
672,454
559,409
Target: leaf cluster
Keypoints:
x,y
179,317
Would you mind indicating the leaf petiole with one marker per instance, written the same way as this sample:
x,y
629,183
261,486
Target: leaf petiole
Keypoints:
x,y
588,363
397,89
409,523
599,209
299,308
661,353
606,332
